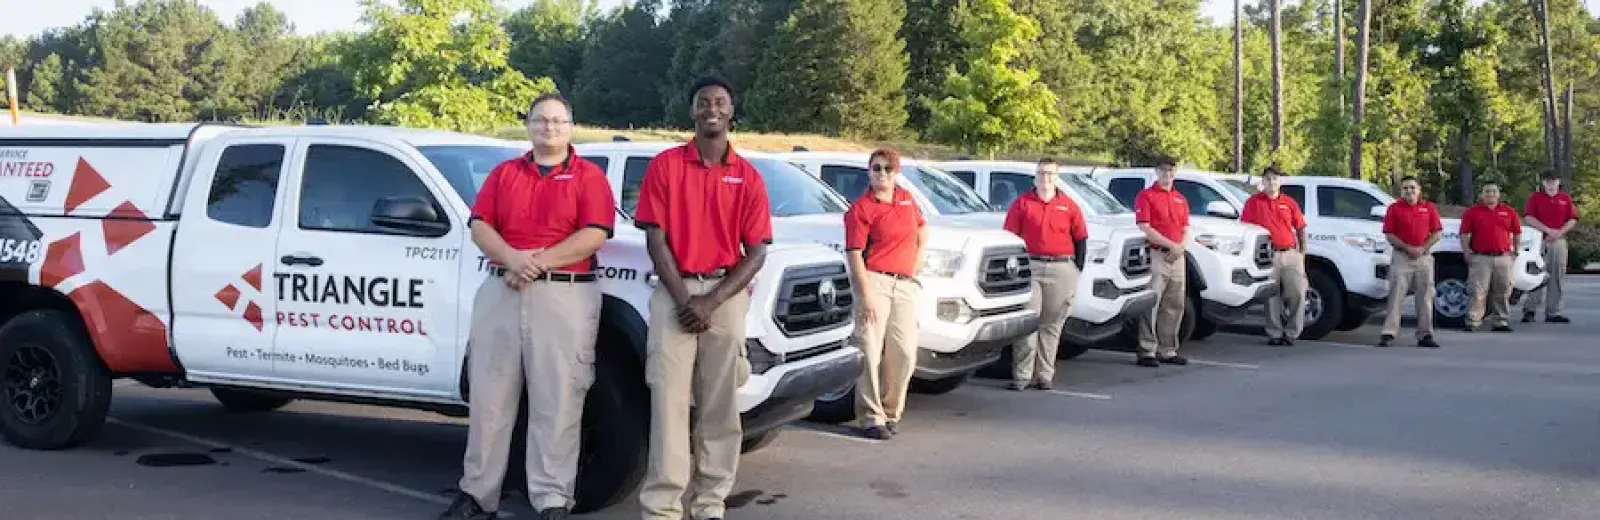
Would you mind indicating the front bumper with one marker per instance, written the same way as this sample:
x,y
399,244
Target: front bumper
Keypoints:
x,y
1081,332
984,348
796,391
1223,313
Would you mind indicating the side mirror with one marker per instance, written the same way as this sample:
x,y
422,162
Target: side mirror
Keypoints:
x,y
1217,208
413,215
1379,212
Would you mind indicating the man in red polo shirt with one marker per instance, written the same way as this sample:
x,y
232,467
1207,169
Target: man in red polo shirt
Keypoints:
x,y
1413,227
1286,228
540,218
705,213
1552,212
884,234
1163,215
1490,232
1051,225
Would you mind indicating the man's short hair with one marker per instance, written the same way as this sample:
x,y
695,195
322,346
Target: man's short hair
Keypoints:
x,y
1166,161
1491,183
710,81
1047,161
1271,171
550,96
1551,174
888,154
1410,178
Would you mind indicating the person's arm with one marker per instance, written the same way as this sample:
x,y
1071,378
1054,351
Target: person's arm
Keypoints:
x,y
1080,237
1516,233
1141,215
653,200
484,224
1465,232
922,237
855,239
1299,226
597,211
755,233
1527,215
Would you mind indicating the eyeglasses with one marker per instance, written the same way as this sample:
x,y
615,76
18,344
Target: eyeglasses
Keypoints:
x,y
549,122
882,168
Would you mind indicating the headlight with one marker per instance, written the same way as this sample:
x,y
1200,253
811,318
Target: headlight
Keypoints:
x,y
941,263
1097,250
761,359
1365,242
1221,244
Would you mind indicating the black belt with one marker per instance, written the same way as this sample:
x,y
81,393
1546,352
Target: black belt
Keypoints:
x,y
1283,249
1052,259
709,275
896,276
1503,253
566,277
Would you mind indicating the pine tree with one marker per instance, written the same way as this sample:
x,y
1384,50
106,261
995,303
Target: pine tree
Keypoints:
x,y
835,66
996,103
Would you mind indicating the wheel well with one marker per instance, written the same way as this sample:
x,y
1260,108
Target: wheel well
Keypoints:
x,y
1195,283
621,341
1326,266
1440,259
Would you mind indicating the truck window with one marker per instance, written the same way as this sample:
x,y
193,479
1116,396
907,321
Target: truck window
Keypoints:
x,y
245,188
343,183
948,196
1126,189
1298,193
1092,196
968,178
1005,187
1346,203
1199,195
632,178
849,182
466,167
791,191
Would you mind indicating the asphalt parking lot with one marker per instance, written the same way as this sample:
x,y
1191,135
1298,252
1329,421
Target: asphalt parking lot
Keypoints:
x,y
1493,426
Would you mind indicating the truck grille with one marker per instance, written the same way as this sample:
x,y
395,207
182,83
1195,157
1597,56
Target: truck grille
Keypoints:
x,y
1263,249
813,299
1136,257
1005,271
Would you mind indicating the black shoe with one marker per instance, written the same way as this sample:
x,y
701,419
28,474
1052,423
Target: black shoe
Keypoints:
x,y
1043,385
1427,342
876,432
894,427
1148,362
1288,341
466,508
554,513
1175,360
1502,328
1557,319
1278,342
1018,386
1527,317
1387,338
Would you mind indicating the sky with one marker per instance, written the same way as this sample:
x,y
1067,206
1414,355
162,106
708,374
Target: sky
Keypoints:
x,y
312,16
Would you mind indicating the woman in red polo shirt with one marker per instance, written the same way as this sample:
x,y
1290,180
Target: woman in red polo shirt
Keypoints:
x,y
884,234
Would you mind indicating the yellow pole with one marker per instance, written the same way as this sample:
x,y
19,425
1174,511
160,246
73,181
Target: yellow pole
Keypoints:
x,y
11,94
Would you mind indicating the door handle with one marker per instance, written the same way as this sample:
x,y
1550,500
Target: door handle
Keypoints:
x,y
305,260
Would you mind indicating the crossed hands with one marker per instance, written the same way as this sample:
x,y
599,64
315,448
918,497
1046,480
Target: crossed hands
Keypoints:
x,y
695,315
524,267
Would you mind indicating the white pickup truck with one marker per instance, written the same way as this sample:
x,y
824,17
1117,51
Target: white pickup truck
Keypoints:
x,y
1344,220
325,263
973,303
1230,264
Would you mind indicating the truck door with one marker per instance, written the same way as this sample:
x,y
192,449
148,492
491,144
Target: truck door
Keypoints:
x,y
368,270
223,265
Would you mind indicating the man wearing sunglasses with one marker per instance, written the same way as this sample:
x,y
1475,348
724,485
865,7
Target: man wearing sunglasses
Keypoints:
x,y
1413,227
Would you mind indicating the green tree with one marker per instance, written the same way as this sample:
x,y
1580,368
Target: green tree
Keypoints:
x,y
624,62
837,67
547,39
440,64
42,85
995,103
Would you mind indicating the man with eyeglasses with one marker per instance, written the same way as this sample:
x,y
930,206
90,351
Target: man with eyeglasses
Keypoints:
x,y
1286,229
1413,227
540,218
1163,214
1551,211
1052,228
1490,232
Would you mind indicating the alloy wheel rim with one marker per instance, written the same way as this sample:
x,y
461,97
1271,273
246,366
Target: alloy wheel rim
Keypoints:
x,y
32,383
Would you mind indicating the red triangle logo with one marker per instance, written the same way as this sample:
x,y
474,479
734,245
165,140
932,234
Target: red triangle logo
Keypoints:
x,y
86,184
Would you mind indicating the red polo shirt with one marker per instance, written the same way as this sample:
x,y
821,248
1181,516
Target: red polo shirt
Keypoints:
x,y
1491,228
1412,223
1048,228
1165,210
708,210
1281,217
1552,211
531,210
885,232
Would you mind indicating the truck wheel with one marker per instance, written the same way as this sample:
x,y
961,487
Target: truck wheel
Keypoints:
x,y
1450,297
1067,350
754,444
938,386
56,391
1353,319
1203,328
1324,305
835,407
245,401
1000,368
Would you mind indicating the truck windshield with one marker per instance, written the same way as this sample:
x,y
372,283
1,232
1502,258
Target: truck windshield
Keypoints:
x,y
1240,189
949,196
791,191
465,167
1099,201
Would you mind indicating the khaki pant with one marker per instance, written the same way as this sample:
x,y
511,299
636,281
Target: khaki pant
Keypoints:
x,y
1158,331
1408,274
1055,286
1555,261
698,372
889,349
542,336
1289,269
1489,279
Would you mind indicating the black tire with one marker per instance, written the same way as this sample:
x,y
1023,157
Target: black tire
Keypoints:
x,y
1323,292
1203,329
835,407
245,401
938,386
1353,319
1450,310
614,449
1191,318
1000,368
1068,350
48,351
756,443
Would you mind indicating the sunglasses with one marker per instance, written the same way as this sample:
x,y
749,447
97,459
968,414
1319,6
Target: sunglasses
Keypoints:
x,y
882,168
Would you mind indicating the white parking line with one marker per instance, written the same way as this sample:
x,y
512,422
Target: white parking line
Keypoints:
x,y
1225,364
829,432
273,459
1067,393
